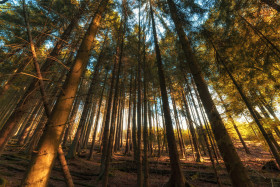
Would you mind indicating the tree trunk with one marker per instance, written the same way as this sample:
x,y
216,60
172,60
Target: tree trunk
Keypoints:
x,y
177,178
127,145
139,104
145,128
134,136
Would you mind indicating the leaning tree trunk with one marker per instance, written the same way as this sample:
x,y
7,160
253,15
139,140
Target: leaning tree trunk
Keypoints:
x,y
41,164
177,178
235,168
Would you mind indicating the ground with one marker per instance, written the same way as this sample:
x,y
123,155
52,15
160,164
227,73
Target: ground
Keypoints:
x,y
123,170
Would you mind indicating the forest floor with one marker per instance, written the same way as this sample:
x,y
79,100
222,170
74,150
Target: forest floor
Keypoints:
x,y
124,172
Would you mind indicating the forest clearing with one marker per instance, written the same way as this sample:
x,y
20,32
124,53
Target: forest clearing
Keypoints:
x,y
139,93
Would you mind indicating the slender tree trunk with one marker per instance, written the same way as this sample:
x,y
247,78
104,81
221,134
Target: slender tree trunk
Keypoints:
x,y
127,145
134,136
151,131
145,128
139,104
29,124
158,132
47,108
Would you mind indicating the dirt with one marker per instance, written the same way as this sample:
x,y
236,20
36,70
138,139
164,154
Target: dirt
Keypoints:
x,y
123,171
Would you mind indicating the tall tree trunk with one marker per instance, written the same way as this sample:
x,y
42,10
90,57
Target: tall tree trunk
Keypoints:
x,y
139,104
128,134
235,168
134,136
145,128
151,131
158,132
177,178
42,161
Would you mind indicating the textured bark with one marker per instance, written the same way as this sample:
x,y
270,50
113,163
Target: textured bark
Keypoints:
x,y
235,168
41,164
